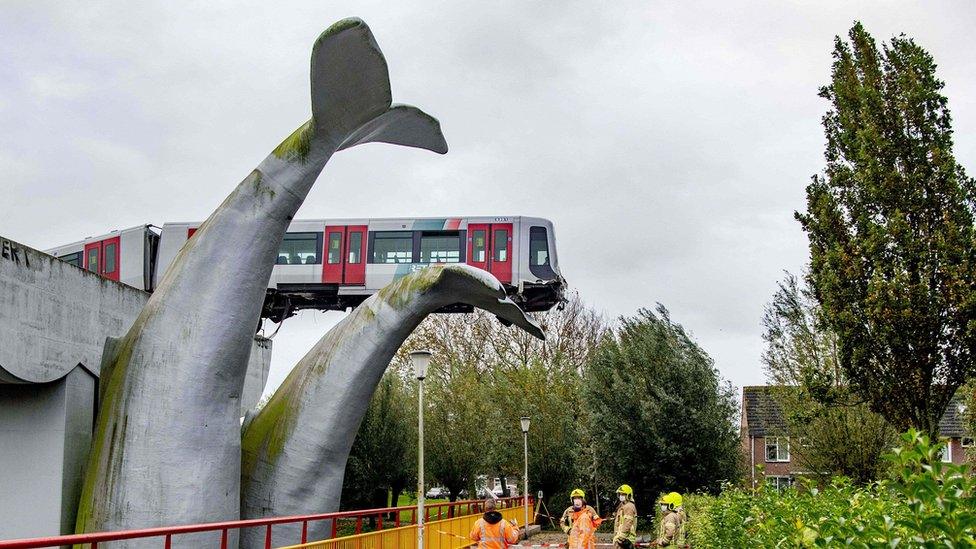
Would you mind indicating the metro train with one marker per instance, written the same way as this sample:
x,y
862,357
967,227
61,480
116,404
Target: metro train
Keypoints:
x,y
333,264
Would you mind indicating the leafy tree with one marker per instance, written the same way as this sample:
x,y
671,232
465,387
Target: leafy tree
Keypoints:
x,y
661,418
840,434
511,374
890,226
456,430
383,457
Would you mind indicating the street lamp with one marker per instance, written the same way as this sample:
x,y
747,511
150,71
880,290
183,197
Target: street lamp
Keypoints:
x,y
420,360
524,420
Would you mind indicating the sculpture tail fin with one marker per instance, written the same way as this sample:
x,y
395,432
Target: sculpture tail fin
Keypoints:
x,y
351,97
401,125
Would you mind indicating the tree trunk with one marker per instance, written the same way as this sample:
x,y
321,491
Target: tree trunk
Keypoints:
x,y
395,492
505,491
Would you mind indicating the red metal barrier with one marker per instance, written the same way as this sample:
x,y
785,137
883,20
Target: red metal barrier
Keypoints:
x,y
443,510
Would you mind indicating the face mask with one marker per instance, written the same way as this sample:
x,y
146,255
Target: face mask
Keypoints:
x,y
664,508
622,497
577,503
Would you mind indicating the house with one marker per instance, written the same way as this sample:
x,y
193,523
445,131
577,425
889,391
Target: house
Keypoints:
x,y
765,439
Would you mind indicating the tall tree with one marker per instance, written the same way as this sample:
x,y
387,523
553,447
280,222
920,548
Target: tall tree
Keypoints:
x,y
840,435
662,420
456,431
890,225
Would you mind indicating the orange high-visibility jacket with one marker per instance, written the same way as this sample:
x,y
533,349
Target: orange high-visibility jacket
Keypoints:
x,y
493,532
583,525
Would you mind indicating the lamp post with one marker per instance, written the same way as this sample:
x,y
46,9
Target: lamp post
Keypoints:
x,y
420,360
524,420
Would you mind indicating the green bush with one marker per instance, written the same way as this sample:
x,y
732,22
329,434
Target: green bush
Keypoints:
x,y
927,503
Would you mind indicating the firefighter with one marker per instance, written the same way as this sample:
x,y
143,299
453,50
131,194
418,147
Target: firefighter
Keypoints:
x,y
625,520
580,522
672,531
491,531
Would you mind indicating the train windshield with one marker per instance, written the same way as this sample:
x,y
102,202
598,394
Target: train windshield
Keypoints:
x,y
539,253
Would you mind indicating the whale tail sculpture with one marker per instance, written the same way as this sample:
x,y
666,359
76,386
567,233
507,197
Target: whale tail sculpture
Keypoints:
x,y
352,102
294,450
166,448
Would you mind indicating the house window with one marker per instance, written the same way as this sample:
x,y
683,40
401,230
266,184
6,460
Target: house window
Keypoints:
x,y
393,247
778,449
440,247
779,482
968,442
945,452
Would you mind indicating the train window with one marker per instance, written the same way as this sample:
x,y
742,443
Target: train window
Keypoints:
x,y
478,246
501,245
355,247
540,264
440,247
110,258
393,247
72,259
538,246
93,260
335,247
300,249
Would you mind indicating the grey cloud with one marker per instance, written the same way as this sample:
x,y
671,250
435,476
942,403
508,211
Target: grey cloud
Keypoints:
x,y
669,142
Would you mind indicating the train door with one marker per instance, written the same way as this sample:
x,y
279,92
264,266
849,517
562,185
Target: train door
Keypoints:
x,y
345,255
355,267
335,247
102,257
490,248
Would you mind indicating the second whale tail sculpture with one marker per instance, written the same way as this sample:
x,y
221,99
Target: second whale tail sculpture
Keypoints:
x,y
295,449
166,448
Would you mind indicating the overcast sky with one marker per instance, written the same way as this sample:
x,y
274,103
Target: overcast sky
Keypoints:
x,y
669,142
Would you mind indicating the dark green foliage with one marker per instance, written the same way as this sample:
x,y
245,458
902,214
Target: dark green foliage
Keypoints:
x,y
890,226
383,457
661,419
549,396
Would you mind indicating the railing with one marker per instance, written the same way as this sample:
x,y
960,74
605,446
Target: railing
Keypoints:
x,y
439,534
396,515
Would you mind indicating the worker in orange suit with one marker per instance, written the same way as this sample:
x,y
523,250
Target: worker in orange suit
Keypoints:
x,y
491,531
580,521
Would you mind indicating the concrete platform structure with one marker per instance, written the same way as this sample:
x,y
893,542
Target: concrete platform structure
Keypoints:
x,y
54,320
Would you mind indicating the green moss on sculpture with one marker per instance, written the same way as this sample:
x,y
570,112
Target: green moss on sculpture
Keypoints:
x,y
297,145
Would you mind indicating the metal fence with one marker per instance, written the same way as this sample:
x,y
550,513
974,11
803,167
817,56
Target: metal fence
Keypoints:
x,y
449,533
392,518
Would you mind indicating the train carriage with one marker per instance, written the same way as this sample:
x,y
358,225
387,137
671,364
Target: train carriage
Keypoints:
x,y
333,264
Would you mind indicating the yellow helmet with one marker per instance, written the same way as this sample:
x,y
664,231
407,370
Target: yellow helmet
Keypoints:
x,y
672,500
577,493
626,490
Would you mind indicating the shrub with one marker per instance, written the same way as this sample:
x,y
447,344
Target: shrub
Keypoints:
x,y
926,503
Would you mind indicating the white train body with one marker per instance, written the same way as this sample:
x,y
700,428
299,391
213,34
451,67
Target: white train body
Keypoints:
x,y
336,263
